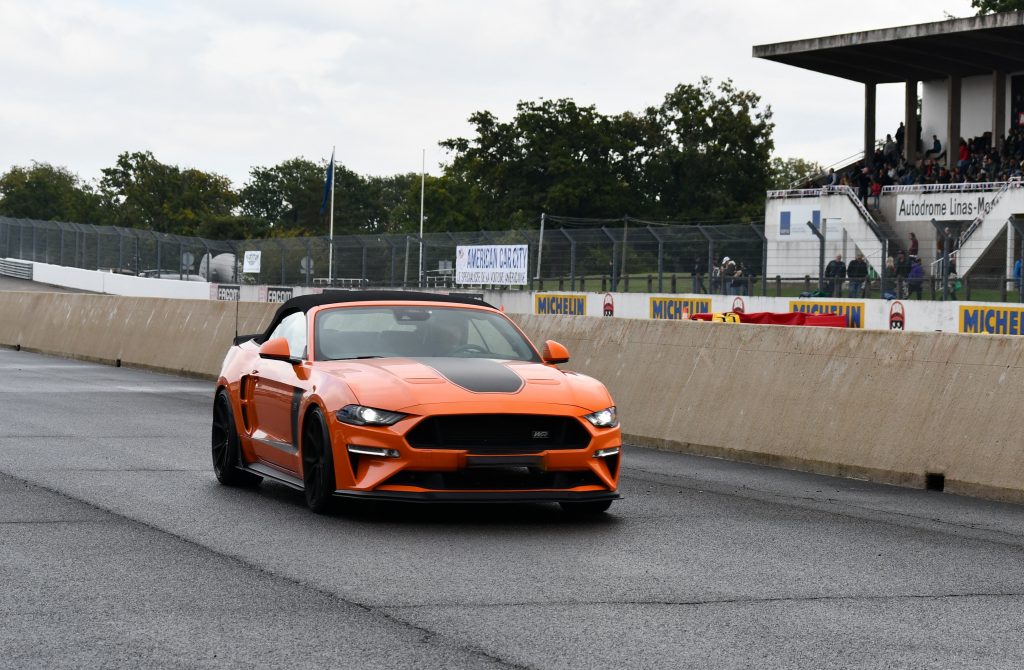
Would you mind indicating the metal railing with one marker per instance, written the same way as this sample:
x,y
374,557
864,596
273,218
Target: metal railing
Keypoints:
x,y
633,256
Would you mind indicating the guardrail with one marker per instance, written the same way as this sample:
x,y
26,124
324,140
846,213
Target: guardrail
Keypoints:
x,y
13,268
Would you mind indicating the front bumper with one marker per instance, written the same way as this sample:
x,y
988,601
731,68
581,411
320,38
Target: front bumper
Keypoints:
x,y
479,496
439,472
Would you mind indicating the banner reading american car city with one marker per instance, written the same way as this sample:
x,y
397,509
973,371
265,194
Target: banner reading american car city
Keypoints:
x,y
496,264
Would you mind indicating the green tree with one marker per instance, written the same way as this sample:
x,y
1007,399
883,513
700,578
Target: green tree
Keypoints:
x,y
789,173
288,196
994,6
394,202
553,156
47,192
140,191
707,152
704,152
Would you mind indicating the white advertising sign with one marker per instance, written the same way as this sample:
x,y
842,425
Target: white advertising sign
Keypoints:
x,y
251,263
942,206
498,264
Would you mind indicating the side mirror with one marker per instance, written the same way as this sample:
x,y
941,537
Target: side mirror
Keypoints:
x,y
277,350
554,352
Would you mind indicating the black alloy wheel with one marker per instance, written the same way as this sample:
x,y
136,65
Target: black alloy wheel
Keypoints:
x,y
589,508
317,463
226,450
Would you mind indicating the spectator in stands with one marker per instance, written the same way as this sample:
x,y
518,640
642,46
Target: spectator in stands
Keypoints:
x,y
902,270
915,278
698,274
913,245
965,156
1016,275
890,150
901,134
857,272
863,184
835,273
936,151
832,179
876,192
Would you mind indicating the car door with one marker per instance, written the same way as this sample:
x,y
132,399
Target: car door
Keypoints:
x,y
277,395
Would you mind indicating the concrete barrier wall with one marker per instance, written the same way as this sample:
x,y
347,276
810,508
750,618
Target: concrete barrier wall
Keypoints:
x,y
888,407
181,336
885,406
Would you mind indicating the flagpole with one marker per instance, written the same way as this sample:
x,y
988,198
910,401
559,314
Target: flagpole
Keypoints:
x,y
330,235
423,182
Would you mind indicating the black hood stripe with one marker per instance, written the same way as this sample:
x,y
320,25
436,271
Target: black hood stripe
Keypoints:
x,y
479,375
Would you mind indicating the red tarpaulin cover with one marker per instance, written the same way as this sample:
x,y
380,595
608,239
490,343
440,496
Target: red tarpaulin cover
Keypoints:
x,y
785,319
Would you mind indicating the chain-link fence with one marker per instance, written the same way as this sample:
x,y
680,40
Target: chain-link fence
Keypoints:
x,y
623,254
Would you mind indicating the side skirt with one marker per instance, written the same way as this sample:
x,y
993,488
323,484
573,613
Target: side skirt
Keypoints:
x,y
274,474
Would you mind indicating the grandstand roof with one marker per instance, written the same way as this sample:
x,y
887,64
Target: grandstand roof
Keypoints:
x,y
964,47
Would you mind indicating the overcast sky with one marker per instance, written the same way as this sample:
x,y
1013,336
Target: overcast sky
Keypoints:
x,y
224,86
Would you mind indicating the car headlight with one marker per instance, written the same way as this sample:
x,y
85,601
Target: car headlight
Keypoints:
x,y
357,415
606,418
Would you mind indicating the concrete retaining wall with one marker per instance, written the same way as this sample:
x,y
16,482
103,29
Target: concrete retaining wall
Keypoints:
x,y
181,336
885,406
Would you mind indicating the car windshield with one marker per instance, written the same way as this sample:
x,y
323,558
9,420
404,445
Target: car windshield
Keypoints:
x,y
417,331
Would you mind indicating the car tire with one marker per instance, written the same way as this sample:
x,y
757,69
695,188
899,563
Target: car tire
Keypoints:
x,y
226,448
317,463
589,508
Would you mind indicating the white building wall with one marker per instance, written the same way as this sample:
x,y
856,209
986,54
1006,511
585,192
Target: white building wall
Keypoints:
x,y
933,112
975,109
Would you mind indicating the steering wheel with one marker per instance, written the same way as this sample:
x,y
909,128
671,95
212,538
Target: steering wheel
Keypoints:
x,y
470,349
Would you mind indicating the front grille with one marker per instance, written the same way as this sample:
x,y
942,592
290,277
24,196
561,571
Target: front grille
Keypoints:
x,y
495,479
499,433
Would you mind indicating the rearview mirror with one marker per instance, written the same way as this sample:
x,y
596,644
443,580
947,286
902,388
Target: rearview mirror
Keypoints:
x,y
554,353
277,350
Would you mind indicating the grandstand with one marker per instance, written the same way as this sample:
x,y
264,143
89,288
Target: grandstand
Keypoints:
x,y
962,198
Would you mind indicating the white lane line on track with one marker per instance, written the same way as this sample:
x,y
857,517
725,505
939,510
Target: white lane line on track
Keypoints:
x,y
67,390
42,366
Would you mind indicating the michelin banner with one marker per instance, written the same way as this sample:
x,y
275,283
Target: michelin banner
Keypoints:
x,y
495,264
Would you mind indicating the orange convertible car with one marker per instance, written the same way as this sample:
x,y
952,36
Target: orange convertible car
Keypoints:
x,y
412,396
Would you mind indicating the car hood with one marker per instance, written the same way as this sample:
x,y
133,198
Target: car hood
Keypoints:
x,y
403,383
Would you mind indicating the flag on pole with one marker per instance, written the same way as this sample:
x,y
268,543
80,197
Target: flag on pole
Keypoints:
x,y
328,187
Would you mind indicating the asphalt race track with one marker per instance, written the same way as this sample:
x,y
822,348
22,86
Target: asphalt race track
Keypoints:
x,y
119,549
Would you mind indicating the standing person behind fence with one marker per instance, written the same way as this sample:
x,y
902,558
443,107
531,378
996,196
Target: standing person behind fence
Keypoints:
x,y
835,273
728,270
889,278
857,272
739,280
915,278
902,272
698,274
952,279
913,245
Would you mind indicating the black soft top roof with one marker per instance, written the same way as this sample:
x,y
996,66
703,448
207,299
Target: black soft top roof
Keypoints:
x,y
304,303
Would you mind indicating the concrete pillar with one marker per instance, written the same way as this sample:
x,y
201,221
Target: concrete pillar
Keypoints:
x,y
869,121
910,122
998,108
953,121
